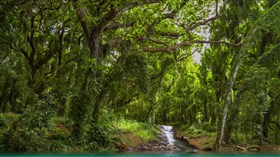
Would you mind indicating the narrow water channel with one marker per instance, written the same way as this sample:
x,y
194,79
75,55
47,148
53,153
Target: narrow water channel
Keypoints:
x,y
173,144
168,132
165,142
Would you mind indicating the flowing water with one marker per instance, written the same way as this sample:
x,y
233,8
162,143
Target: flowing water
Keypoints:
x,y
174,144
168,132
165,142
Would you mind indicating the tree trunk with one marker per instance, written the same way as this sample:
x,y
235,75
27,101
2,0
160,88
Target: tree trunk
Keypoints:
x,y
228,101
267,118
4,106
205,116
150,116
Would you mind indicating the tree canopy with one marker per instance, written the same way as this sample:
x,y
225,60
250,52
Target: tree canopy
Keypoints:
x,y
88,63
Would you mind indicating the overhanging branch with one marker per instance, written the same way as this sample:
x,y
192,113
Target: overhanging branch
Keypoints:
x,y
119,25
114,13
158,42
194,25
187,43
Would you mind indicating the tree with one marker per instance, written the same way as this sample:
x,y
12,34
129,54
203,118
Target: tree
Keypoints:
x,y
253,36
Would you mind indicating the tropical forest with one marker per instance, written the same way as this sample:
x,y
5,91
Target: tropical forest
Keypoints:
x,y
85,76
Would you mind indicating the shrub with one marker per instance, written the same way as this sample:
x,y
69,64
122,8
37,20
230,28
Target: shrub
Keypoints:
x,y
59,128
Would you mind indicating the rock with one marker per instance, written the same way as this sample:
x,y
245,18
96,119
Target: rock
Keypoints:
x,y
129,149
162,143
194,151
162,147
253,148
144,148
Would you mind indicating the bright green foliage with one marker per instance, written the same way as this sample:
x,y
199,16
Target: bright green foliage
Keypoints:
x,y
73,72
143,130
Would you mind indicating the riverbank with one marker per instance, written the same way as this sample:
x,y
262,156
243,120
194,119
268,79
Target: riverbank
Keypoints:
x,y
205,143
202,142
164,142
121,135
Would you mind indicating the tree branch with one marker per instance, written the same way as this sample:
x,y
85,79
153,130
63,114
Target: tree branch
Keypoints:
x,y
189,28
183,56
113,13
119,25
217,42
25,54
170,15
82,17
158,42
194,25
187,43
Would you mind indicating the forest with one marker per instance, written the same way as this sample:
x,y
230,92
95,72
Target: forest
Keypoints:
x,y
76,75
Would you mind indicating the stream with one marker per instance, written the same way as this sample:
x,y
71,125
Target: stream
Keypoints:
x,y
165,142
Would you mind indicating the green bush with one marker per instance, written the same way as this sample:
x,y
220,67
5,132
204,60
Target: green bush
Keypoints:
x,y
27,132
100,135
59,128
110,133
20,139
6,122
208,127
2,122
58,146
7,119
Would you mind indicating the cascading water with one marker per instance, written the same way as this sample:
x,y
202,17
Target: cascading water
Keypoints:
x,y
168,132
172,143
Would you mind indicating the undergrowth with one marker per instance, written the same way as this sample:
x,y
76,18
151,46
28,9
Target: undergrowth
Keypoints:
x,y
143,130
198,130
40,133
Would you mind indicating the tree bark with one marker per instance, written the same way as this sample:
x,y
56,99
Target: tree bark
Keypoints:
x,y
205,116
228,100
268,116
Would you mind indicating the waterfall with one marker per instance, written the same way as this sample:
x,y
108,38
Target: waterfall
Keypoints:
x,y
168,132
172,143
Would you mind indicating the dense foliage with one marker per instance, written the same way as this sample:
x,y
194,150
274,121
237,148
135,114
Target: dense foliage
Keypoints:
x,y
72,71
